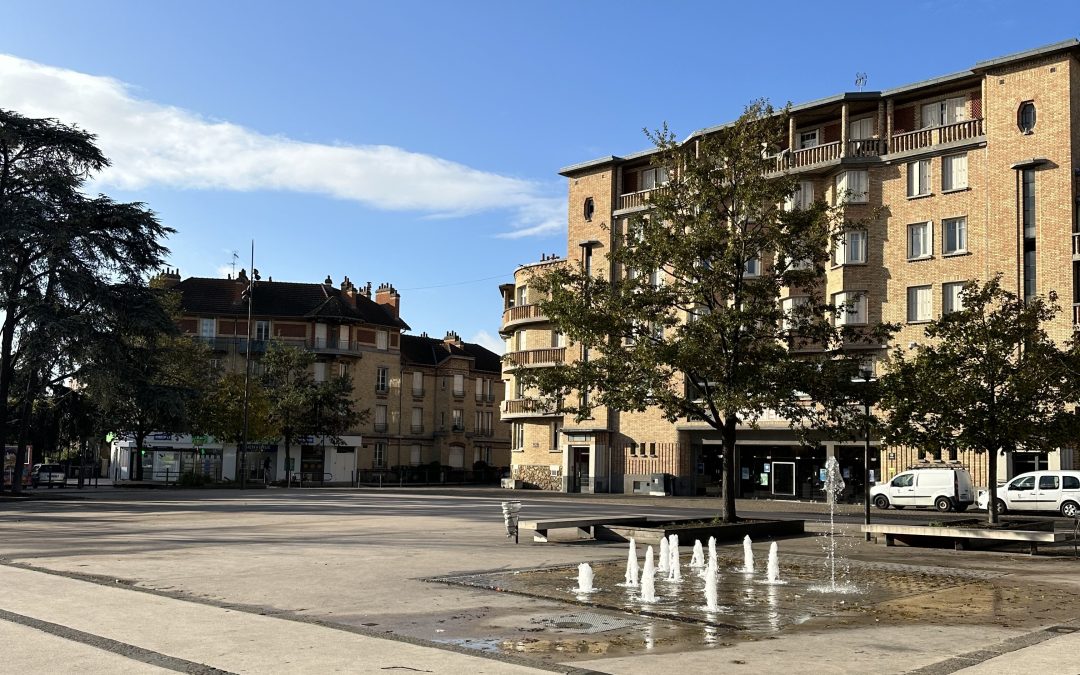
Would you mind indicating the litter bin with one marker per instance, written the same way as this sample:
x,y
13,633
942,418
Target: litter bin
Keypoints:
x,y
510,511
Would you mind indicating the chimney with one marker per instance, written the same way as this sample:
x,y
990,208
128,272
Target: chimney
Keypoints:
x,y
165,279
366,290
348,291
387,296
328,281
452,338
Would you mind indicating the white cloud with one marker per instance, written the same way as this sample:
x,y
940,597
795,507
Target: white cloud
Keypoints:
x,y
486,339
151,144
224,271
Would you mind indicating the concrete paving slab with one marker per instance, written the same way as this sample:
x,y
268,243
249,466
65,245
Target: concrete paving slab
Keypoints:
x,y
28,650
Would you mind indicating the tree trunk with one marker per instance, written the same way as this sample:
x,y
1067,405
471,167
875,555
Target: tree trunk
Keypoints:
x,y
727,489
991,478
6,342
23,433
140,438
288,457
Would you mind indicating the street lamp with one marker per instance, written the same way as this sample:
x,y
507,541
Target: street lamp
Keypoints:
x,y
866,376
248,293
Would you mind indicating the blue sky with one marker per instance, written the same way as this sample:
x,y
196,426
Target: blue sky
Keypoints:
x,y
418,143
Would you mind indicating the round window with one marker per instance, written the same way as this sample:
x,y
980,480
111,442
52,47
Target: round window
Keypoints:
x,y
1025,117
590,207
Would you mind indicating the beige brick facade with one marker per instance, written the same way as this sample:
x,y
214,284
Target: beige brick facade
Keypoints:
x,y
941,158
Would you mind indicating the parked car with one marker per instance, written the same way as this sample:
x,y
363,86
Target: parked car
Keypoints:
x,y
944,488
1038,491
48,474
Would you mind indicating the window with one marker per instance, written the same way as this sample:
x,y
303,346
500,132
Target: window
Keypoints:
x,y
382,379
558,339
919,304
488,417
478,422
920,241
320,372
1025,483
522,293
954,174
1025,117
519,341
850,308
343,369
918,178
378,460
790,307
479,389
518,434
206,328
656,278
850,248
1070,483
852,187
417,383
458,419
1027,189
457,457
381,339
808,139
951,299
589,208
459,384
955,236
556,428
414,454
380,418
343,337
861,129
904,480
417,420
262,330
1048,482
947,111
753,267
653,177
802,198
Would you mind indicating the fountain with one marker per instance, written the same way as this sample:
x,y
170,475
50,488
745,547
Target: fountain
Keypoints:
x,y
674,568
834,485
631,564
584,579
712,552
710,588
648,583
665,556
748,555
697,560
772,571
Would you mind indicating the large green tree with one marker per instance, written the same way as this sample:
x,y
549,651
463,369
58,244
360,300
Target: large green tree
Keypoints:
x,y
223,412
988,379
692,321
67,255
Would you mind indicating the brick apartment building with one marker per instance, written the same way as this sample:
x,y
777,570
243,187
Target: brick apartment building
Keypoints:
x,y
977,173
419,391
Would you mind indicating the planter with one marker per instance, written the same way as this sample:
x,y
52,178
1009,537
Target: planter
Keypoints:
x,y
651,529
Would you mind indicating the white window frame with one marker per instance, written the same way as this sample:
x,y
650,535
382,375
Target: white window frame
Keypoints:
x,y
521,295
378,456
854,314
457,419
954,172
753,268
951,300
517,433
853,187
803,197
857,124
418,382
342,369
920,303
262,330
459,384
382,379
207,328
925,241
788,305
960,244
944,112
652,178
415,454
810,138
919,178
851,248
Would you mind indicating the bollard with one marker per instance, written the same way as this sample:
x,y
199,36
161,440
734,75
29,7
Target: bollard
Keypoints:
x,y
511,511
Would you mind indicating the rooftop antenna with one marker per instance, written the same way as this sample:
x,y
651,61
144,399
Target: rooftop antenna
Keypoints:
x,y
235,257
860,80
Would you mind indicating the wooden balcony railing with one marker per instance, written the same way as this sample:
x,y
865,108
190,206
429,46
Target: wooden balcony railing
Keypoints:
x,y
525,406
816,154
522,313
924,138
533,358
867,147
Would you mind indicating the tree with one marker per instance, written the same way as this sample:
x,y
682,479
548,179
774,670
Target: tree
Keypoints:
x,y
223,411
691,322
989,379
299,406
65,256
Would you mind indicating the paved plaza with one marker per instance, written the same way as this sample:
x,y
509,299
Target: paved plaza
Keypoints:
x,y
331,580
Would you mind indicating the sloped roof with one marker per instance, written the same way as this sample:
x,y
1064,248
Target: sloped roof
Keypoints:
x,y
428,351
283,299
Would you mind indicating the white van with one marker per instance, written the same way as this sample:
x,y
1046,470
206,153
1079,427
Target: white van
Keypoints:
x,y
944,488
1038,491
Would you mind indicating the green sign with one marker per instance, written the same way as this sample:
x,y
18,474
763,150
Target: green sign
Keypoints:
x,y
198,440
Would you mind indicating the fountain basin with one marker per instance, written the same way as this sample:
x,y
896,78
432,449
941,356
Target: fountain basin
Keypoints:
x,y
651,529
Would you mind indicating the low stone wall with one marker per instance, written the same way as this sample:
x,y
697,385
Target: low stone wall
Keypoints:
x,y
537,477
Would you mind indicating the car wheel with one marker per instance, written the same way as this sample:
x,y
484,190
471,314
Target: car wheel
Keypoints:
x,y
881,501
1070,510
999,507
943,504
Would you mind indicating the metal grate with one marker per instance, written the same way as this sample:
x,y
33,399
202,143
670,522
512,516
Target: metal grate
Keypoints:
x,y
584,622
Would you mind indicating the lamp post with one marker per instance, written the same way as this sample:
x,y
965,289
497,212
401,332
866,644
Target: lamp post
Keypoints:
x,y
248,292
866,376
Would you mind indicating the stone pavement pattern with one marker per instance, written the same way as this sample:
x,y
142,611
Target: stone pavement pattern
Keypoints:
x,y
356,560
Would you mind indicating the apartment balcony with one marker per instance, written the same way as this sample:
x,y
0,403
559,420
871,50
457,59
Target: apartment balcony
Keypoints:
x,y
380,427
417,428
633,201
519,408
535,358
418,392
333,346
926,138
232,344
520,315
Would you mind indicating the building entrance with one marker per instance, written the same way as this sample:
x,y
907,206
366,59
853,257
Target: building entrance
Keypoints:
x,y
311,463
780,472
579,469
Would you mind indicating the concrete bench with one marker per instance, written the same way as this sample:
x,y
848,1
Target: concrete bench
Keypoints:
x,y
583,525
962,536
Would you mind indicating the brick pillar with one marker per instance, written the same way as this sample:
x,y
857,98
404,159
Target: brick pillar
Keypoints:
x,y
844,130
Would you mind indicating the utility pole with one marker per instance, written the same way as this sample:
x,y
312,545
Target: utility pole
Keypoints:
x,y
866,376
249,291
